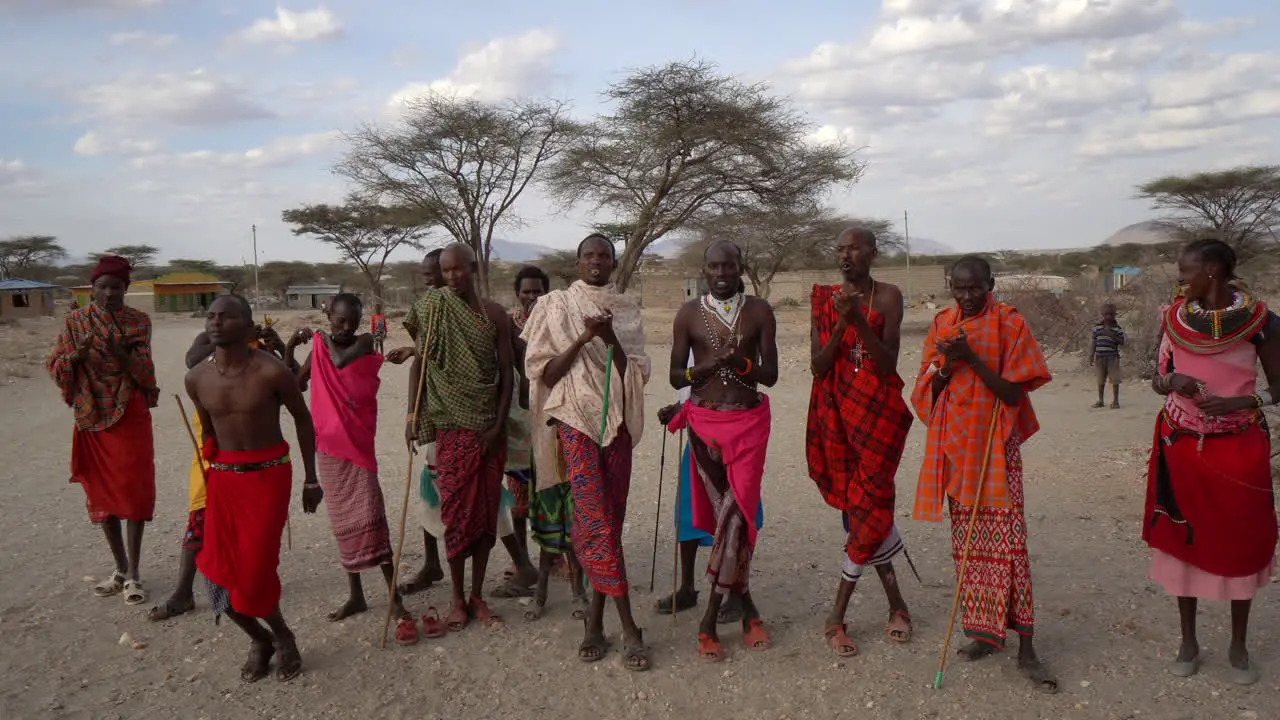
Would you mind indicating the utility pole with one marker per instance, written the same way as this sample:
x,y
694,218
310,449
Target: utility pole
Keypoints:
x,y
257,294
906,234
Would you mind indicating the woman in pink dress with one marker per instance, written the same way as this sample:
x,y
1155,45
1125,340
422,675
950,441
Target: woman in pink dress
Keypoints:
x,y
1210,513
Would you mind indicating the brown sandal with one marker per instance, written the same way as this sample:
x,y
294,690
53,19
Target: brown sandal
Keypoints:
x,y
899,626
838,639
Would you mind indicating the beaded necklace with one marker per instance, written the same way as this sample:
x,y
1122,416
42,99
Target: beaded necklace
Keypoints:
x,y
857,353
1211,322
714,338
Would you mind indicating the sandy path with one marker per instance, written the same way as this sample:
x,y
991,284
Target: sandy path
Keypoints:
x,y
1103,627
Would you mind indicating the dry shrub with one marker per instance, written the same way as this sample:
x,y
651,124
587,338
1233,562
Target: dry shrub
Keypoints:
x,y
1065,323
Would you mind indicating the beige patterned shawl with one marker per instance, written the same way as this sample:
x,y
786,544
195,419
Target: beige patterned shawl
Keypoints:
x,y
578,399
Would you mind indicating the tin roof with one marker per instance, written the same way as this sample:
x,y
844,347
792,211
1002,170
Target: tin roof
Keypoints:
x,y
17,284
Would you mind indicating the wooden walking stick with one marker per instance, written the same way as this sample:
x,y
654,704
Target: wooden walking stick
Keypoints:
x,y
657,515
675,548
195,443
404,509
968,545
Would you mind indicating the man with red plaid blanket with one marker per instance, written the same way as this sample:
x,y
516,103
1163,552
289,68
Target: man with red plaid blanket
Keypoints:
x,y
858,425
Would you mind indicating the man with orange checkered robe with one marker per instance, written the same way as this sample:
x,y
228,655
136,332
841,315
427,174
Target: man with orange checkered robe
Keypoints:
x,y
980,363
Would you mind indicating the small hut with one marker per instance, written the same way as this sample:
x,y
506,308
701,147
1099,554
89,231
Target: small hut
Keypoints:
x,y
187,292
25,298
309,297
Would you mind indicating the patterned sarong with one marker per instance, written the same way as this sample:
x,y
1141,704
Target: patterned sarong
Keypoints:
x,y
551,518
856,431
599,505
356,512
469,479
996,594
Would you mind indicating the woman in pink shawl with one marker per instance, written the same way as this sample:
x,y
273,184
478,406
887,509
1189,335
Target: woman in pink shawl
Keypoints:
x,y
343,373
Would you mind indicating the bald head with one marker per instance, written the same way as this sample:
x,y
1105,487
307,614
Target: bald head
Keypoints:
x,y
860,234
458,266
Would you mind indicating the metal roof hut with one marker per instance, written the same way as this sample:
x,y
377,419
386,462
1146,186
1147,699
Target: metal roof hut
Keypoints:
x,y
25,299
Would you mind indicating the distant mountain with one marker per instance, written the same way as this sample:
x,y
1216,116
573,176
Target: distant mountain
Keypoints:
x,y
512,251
1149,232
670,247
925,246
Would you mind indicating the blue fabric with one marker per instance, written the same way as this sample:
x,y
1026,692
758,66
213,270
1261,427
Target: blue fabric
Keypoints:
x,y
684,507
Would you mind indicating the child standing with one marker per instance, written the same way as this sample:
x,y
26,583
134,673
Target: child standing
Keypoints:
x,y
1108,337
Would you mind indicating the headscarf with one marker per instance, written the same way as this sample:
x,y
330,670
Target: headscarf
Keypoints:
x,y
112,265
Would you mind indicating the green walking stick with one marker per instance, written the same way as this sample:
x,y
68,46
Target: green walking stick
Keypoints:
x,y
608,384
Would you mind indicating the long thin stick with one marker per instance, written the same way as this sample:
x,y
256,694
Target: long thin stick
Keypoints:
x,y
675,547
404,509
288,526
968,545
657,515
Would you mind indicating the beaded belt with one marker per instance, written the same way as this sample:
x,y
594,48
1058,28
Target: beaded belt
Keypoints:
x,y
249,467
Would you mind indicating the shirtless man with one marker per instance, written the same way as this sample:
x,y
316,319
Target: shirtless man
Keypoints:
x,y
732,337
237,394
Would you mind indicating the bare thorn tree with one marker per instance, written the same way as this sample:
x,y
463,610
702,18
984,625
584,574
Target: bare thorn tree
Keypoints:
x,y
27,251
364,233
461,160
778,239
685,142
1241,206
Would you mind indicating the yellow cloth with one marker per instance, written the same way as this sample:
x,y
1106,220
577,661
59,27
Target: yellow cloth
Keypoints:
x,y
195,485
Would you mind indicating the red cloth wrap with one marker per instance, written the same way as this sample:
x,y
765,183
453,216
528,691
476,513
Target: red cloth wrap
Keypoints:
x,y
112,265
1212,507
116,466
244,520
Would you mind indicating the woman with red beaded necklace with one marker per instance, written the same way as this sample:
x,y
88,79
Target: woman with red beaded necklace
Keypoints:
x,y
1210,518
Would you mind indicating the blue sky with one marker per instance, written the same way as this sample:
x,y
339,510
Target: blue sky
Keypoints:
x,y
180,123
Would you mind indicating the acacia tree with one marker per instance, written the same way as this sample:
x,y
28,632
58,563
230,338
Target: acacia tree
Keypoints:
x,y
1241,206
364,233
775,240
460,160
27,251
139,256
561,265
192,265
278,275
685,142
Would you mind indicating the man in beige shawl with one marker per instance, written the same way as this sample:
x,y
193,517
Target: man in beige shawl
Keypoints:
x,y
568,335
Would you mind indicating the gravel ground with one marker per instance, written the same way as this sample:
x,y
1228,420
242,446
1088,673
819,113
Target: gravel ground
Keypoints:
x,y
1102,626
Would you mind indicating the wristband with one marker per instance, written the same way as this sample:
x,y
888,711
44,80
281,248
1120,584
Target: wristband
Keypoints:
x,y
1264,398
747,370
688,375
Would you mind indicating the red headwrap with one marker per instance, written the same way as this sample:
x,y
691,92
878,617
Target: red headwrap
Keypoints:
x,y
112,265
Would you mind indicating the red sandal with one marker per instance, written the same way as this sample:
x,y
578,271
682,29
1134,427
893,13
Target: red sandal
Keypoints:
x,y
838,639
431,626
481,612
407,631
710,650
756,637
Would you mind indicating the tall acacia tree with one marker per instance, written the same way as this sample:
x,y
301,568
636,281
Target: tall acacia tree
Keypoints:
x,y
18,254
364,233
685,142
1241,206
461,160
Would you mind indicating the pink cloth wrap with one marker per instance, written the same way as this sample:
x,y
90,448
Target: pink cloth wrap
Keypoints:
x,y
344,406
742,438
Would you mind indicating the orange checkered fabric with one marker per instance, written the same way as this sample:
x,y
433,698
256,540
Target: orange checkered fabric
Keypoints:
x,y
99,389
959,418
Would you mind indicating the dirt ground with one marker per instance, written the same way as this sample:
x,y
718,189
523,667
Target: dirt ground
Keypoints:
x,y
1104,628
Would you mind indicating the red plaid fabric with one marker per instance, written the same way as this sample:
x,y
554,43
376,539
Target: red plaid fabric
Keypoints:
x,y
99,389
856,432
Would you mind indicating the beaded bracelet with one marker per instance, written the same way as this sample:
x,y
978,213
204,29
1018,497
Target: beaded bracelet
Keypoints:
x,y
688,375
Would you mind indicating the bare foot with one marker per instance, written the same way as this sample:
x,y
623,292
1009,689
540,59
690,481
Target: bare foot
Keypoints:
x,y
977,650
1039,676
425,578
290,665
258,665
353,606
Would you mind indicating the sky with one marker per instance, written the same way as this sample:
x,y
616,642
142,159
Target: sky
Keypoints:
x,y
997,124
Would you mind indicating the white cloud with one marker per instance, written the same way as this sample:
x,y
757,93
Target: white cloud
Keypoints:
x,y
1043,98
15,175
142,39
195,99
1217,78
500,68
316,25
92,144
278,152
